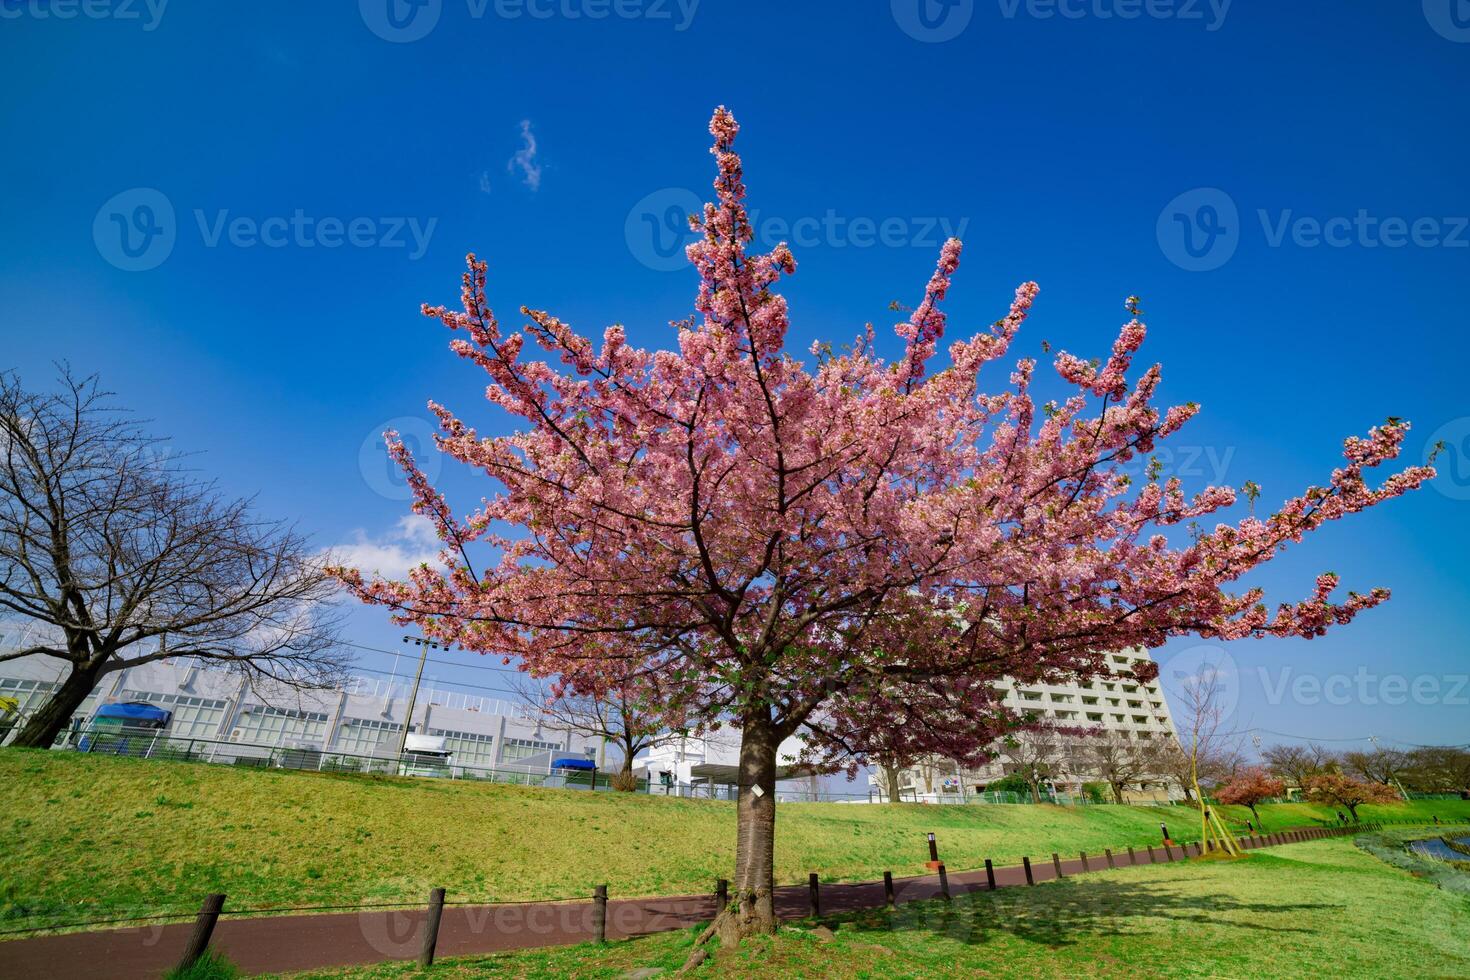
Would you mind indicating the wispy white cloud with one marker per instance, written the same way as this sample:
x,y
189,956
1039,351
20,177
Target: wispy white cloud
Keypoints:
x,y
393,555
525,158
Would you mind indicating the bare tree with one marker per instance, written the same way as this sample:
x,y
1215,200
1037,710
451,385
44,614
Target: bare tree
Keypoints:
x,y
121,557
1208,751
1437,769
1118,760
1298,763
1036,755
1378,766
626,715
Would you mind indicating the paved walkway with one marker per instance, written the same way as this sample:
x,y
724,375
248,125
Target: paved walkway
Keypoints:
x,y
285,944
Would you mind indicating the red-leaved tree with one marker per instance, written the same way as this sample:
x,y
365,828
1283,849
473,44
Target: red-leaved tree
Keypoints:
x,y
823,544
1335,789
1250,787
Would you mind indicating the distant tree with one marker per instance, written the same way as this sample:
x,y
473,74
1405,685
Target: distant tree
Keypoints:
x,y
1034,756
1298,763
624,714
1378,766
1438,769
122,557
1250,787
1118,760
1338,790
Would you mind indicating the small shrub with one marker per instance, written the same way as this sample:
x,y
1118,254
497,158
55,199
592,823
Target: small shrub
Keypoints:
x,y
624,782
211,966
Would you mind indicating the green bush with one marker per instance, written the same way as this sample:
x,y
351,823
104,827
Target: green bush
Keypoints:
x,y
210,966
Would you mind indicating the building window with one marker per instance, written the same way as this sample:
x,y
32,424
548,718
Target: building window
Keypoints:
x,y
469,748
368,736
29,694
192,717
523,748
261,723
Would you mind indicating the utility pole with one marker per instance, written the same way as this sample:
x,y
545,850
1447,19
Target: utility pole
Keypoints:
x,y
424,647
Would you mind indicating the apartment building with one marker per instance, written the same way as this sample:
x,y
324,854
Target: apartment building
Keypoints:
x,y
1139,711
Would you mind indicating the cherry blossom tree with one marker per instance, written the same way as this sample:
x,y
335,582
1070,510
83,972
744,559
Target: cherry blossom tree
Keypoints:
x,y
1250,787
815,544
1338,790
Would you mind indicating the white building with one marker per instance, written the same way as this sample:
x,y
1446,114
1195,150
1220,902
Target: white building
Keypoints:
x,y
710,766
363,719
1136,710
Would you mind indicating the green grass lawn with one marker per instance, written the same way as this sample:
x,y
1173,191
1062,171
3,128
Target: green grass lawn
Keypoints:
x,y
1322,908
90,837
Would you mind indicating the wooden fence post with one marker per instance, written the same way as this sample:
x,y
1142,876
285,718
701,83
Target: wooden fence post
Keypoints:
x,y
599,913
431,927
1151,854
989,875
1109,852
888,898
943,882
1026,863
812,887
1131,860
1084,861
1056,863
203,929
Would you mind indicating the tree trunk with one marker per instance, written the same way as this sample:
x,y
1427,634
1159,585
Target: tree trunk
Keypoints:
x,y
891,772
1353,809
752,909
1035,791
43,727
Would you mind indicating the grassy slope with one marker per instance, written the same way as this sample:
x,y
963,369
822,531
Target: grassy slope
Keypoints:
x,y
1321,908
87,836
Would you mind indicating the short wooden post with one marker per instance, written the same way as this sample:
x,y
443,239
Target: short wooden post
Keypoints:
x,y
1131,859
1084,861
203,929
722,893
1109,852
1056,863
989,875
888,898
1168,852
599,913
431,927
1150,854
933,849
1026,863
816,900
943,882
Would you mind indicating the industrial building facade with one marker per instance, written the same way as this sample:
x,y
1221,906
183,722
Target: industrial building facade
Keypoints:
x,y
364,718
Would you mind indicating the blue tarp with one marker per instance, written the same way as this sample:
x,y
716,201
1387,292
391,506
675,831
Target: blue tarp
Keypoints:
x,y
586,765
134,711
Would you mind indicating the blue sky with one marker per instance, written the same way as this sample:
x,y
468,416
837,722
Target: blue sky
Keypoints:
x,y
1283,184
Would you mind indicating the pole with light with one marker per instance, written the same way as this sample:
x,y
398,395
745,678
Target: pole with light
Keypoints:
x,y
424,647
